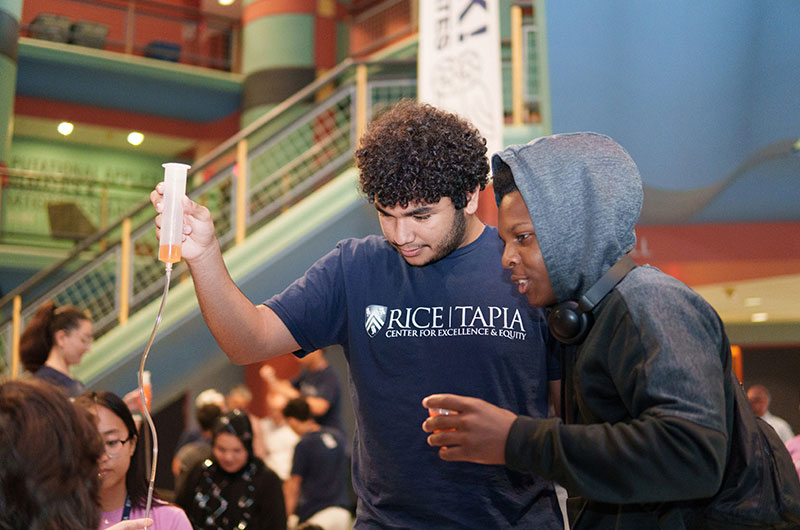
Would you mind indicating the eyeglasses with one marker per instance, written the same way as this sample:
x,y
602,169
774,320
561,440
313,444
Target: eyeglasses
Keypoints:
x,y
114,447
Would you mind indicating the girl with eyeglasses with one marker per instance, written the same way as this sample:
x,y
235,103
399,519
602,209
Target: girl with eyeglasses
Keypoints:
x,y
123,474
49,452
55,339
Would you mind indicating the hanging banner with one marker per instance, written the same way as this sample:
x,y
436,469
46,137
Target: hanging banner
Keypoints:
x,y
459,62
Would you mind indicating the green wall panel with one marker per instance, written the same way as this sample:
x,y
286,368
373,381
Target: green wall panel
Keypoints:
x,y
8,77
86,179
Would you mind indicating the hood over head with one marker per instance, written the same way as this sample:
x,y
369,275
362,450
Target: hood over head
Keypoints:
x,y
237,423
584,194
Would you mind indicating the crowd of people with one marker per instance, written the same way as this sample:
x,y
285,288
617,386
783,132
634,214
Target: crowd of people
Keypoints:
x,y
536,346
221,482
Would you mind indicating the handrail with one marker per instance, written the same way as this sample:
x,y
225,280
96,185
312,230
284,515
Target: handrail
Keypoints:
x,y
279,109
324,129
79,249
131,25
200,164
302,94
342,70
61,177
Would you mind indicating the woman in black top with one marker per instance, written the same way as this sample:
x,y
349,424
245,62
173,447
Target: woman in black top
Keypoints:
x,y
233,489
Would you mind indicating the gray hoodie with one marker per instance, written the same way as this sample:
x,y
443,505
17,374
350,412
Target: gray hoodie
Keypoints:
x,y
584,194
653,399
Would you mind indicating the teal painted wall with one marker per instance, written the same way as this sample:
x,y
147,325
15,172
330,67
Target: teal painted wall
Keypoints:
x,y
72,173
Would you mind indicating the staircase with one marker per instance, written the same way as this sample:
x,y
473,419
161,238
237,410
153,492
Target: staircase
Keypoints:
x,y
281,182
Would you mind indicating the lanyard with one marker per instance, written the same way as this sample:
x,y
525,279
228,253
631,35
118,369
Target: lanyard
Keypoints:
x,y
126,512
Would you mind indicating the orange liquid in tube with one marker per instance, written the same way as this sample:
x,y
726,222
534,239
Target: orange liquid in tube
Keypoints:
x,y
148,389
169,253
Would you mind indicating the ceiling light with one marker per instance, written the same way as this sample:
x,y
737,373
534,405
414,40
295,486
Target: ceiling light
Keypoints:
x,y
752,301
225,2
135,138
65,128
759,317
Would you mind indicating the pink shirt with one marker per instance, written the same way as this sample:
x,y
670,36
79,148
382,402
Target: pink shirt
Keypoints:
x,y
164,516
793,446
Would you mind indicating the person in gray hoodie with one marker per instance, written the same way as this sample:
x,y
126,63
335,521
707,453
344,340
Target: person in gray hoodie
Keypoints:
x,y
648,431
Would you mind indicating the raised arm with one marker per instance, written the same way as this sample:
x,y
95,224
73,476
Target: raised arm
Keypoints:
x,y
245,332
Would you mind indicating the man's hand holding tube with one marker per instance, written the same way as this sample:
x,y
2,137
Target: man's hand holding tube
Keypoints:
x,y
476,433
198,227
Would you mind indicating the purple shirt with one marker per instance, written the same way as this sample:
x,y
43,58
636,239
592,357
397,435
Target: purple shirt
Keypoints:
x,y
793,446
164,516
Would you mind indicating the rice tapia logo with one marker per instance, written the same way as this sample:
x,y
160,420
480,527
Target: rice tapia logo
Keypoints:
x,y
444,321
374,319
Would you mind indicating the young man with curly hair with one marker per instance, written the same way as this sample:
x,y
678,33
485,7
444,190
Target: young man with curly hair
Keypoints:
x,y
425,307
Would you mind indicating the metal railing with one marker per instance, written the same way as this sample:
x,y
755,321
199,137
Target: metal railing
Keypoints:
x,y
255,175
246,181
41,208
382,24
138,27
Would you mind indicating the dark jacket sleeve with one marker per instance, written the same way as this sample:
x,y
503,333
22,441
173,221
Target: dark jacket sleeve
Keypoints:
x,y
653,402
646,460
183,497
273,507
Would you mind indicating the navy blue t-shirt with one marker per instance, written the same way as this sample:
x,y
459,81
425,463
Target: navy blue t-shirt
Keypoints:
x,y
323,384
457,325
72,387
321,461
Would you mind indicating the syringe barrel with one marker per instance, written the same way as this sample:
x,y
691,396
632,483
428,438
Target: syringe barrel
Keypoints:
x,y
172,214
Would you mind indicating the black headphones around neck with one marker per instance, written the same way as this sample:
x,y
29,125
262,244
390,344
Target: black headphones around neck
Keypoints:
x,y
570,321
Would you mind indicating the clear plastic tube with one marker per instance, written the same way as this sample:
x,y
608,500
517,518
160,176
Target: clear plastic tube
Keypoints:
x,y
169,252
143,393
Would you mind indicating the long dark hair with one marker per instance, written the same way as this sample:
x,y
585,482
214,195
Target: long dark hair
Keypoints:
x,y
136,477
49,451
37,338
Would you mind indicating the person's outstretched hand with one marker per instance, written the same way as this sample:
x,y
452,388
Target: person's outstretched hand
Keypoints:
x,y
476,433
198,227
133,400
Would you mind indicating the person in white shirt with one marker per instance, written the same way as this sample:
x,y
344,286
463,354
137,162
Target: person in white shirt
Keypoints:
x,y
759,399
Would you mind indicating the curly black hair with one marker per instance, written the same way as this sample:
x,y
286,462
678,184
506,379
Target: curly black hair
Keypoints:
x,y
416,152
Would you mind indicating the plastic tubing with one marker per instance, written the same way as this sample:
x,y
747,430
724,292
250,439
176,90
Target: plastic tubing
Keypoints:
x,y
169,252
142,394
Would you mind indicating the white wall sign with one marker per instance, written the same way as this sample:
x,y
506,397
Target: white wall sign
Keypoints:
x,y
459,62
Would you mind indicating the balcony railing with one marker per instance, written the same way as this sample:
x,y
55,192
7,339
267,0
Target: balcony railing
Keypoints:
x,y
137,27
246,182
254,176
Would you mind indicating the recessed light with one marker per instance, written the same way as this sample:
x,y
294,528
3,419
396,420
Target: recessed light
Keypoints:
x,y
225,2
65,128
759,317
752,301
135,138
